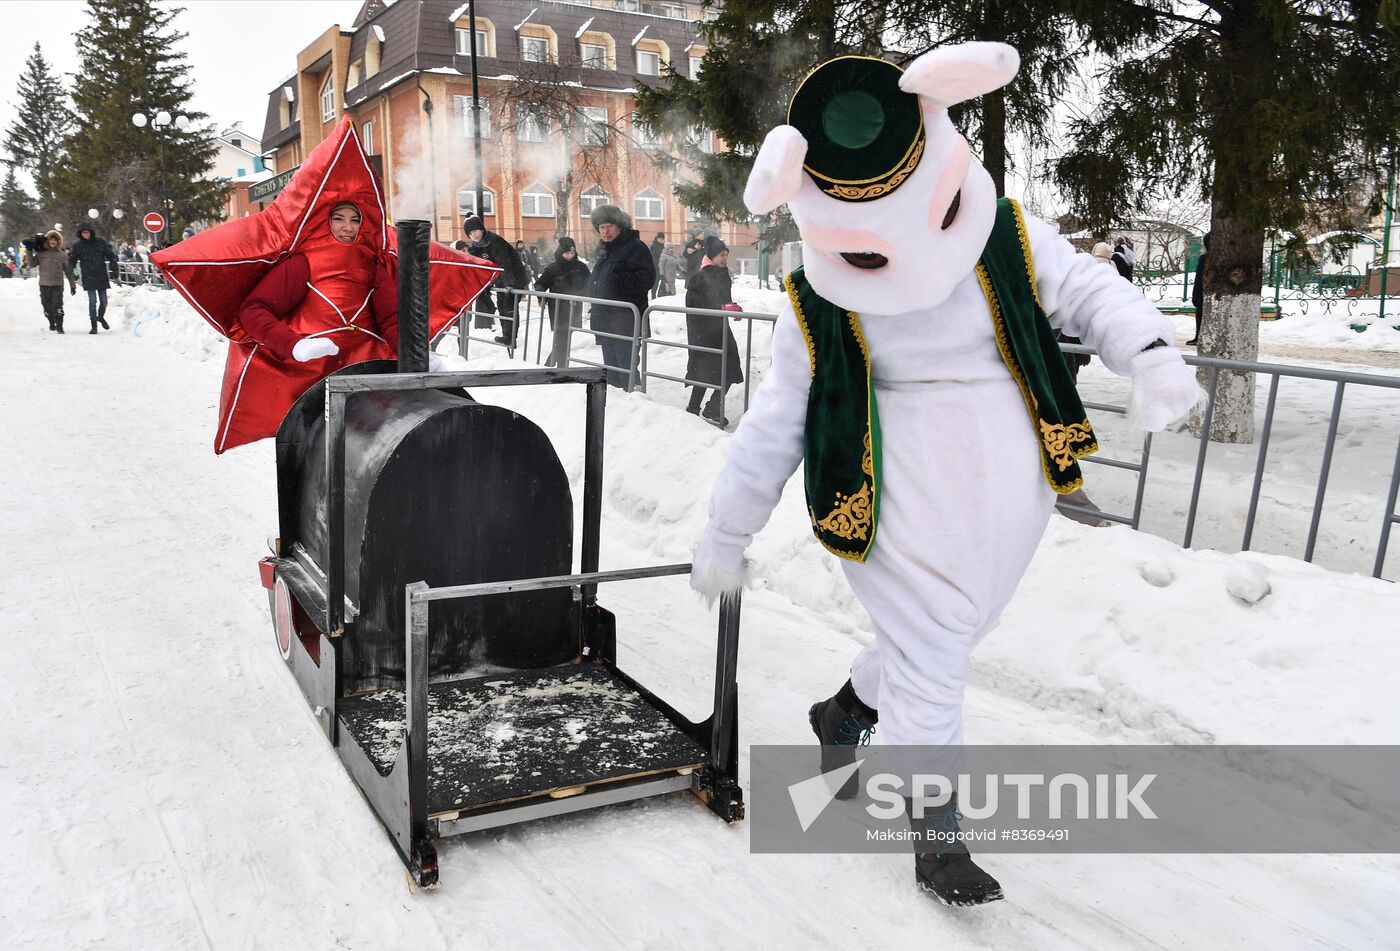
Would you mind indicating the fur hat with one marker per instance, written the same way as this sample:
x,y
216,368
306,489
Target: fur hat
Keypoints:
x,y
51,233
566,244
473,223
714,247
610,215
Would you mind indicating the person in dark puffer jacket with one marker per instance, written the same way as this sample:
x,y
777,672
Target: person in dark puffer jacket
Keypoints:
x,y
91,255
624,272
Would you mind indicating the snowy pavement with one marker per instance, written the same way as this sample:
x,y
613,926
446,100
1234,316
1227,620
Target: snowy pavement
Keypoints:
x,y
167,787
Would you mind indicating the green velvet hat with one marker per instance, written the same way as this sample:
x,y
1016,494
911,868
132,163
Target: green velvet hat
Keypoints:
x,y
864,134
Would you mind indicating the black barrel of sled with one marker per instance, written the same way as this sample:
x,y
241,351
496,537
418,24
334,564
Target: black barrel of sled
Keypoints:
x,y
413,238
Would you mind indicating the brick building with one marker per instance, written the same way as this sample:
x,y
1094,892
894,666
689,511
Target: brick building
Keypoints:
x,y
402,72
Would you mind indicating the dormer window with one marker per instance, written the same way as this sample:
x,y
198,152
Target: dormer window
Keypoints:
x,y
327,100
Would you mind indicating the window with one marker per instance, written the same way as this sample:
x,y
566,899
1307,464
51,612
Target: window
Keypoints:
x,y
463,107
464,42
699,137
466,202
372,47
532,126
356,70
647,206
593,55
695,65
287,108
595,126
535,49
691,215
536,202
643,135
648,63
367,137
595,197
327,100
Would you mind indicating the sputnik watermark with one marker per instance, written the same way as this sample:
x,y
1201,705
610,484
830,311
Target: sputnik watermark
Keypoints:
x,y
1107,799
1101,796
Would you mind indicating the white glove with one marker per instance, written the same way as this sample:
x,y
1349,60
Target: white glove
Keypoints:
x,y
1164,388
313,348
436,364
718,567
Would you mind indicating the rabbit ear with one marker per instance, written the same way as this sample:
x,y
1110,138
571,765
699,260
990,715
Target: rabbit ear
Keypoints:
x,y
964,71
776,177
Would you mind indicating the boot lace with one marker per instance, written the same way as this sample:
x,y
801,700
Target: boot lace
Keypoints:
x,y
852,732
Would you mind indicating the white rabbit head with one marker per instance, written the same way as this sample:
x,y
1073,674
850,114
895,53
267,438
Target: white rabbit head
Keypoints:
x,y
904,239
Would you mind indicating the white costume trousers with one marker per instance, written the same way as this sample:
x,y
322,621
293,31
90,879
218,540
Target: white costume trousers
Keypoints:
x,y
964,506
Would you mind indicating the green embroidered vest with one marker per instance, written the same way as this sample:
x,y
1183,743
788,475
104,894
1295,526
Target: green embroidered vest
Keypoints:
x,y
841,442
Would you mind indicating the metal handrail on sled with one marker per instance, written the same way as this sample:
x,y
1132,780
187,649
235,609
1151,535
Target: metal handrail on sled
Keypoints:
x,y
400,794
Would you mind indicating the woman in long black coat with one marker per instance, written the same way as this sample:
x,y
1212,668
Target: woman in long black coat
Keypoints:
x,y
711,289
566,275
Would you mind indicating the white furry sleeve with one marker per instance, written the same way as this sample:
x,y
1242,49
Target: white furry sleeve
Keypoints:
x,y
767,446
1092,301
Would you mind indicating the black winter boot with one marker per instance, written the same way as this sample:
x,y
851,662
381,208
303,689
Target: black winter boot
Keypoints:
x,y
841,724
94,327
942,864
103,322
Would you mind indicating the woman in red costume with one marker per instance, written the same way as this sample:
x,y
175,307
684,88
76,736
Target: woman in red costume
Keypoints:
x,y
308,286
329,305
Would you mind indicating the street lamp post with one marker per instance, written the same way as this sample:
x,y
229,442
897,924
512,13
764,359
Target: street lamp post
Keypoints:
x,y
160,121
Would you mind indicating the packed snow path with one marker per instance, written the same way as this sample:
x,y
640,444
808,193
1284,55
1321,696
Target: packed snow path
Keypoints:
x,y
165,785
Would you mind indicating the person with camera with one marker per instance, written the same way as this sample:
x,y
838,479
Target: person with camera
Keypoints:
x,y
54,268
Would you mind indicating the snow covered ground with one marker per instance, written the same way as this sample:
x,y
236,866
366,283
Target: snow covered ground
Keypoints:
x,y
167,786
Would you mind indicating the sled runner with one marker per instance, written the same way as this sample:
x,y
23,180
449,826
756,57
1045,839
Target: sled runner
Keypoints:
x,y
424,596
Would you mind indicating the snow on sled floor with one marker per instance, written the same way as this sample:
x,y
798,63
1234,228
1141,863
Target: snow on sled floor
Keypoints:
x,y
165,785
503,737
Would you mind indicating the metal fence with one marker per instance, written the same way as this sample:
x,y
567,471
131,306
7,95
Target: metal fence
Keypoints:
x,y
1340,379
532,331
550,342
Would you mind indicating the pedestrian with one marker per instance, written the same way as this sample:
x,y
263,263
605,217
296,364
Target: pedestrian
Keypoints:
x,y
1124,257
693,253
54,269
565,275
1198,289
658,244
706,370
669,269
91,255
189,232
524,253
492,247
622,272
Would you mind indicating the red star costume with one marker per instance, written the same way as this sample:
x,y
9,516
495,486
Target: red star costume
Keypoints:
x,y
217,269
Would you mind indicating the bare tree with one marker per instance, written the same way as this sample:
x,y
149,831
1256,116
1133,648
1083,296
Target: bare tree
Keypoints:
x,y
548,103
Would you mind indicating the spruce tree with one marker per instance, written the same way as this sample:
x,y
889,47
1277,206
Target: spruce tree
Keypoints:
x,y
19,217
130,64
759,50
35,139
1276,111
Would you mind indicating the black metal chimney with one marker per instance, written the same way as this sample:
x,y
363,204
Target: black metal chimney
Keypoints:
x,y
413,238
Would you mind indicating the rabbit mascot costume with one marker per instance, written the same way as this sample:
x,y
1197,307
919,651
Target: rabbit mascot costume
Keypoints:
x,y
915,371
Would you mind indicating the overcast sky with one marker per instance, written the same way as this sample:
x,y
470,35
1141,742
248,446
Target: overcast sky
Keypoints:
x,y
237,49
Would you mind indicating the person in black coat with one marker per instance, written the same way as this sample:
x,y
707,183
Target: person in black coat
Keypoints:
x,y
565,275
658,244
1198,289
623,272
497,250
693,254
712,289
91,255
